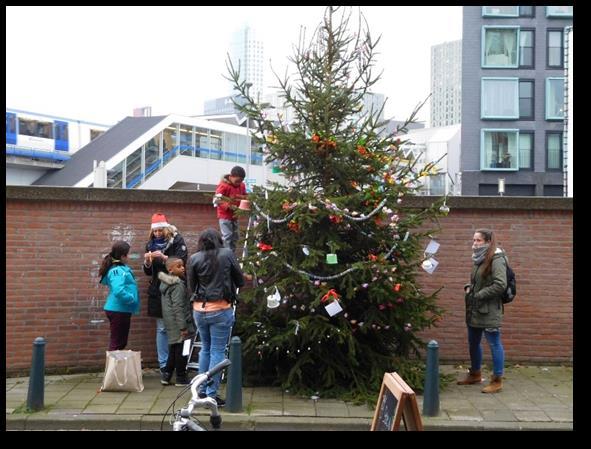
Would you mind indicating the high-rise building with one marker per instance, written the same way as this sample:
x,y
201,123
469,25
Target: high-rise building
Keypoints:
x,y
446,84
513,108
248,50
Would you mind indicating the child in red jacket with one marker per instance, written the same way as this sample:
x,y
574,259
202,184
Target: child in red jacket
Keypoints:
x,y
231,186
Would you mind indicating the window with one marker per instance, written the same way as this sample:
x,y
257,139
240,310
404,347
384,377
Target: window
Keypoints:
x,y
527,11
500,11
11,128
554,50
94,133
554,150
553,190
152,156
559,11
499,98
526,99
526,150
133,169
526,48
500,47
35,128
186,142
115,176
169,143
499,149
554,98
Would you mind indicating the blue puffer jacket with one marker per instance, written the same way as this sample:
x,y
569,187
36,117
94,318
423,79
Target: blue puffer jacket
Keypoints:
x,y
123,291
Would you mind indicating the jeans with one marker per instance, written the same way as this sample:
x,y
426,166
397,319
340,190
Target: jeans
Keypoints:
x,y
214,332
496,348
230,234
161,343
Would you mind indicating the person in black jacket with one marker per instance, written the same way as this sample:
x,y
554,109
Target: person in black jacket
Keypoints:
x,y
164,242
213,274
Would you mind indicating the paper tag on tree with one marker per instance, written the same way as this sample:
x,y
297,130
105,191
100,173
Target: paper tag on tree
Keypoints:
x,y
429,265
187,346
333,308
432,247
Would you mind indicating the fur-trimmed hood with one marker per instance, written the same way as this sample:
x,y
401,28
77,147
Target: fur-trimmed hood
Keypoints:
x,y
168,279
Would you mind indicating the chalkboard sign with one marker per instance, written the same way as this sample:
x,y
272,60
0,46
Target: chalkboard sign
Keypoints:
x,y
397,402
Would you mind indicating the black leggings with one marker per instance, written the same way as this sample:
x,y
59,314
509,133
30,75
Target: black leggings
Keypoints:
x,y
177,360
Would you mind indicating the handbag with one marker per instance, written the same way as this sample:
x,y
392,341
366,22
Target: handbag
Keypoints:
x,y
123,371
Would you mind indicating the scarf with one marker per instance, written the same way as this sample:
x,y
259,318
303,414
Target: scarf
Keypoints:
x,y
479,253
157,244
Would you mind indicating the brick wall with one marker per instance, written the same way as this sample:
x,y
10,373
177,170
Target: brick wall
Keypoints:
x,y
56,238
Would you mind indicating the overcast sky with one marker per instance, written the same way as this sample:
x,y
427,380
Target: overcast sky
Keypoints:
x,y
98,63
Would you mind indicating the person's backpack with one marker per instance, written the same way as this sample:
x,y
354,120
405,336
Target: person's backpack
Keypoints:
x,y
511,291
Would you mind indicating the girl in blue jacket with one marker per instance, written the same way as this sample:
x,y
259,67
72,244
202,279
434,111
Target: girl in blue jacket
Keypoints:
x,y
123,299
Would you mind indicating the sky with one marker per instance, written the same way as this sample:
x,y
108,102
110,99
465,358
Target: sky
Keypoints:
x,y
98,63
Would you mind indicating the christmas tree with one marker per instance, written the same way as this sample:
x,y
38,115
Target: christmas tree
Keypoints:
x,y
334,251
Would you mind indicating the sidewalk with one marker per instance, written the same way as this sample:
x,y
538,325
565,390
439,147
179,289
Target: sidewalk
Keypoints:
x,y
533,398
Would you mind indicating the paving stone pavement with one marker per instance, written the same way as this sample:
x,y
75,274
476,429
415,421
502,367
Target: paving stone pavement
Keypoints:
x,y
533,398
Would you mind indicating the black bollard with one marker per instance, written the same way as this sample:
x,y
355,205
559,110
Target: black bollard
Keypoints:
x,y
234,386
35,396
431,395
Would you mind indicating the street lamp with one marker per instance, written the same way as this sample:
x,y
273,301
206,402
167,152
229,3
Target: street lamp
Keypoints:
x,y
248,148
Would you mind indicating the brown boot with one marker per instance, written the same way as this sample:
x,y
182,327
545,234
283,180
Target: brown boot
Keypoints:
x,y
473,377
495,385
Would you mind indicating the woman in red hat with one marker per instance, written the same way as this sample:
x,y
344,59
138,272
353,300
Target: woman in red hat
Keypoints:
x,y
164,242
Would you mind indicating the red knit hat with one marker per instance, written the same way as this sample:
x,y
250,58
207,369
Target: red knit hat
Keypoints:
x,y
159,221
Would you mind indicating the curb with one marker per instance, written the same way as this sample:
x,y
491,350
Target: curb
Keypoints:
x,y
260,423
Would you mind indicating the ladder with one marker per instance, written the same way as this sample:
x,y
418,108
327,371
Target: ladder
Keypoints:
x,y
196,345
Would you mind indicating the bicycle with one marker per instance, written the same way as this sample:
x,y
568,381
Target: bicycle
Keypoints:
x,y
183,418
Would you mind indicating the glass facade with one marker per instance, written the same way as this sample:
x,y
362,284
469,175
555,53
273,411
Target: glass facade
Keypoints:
x,y
500,47
499,98
115,176
554,98
526,48
554,150
180,140
35,128
526,150
499,149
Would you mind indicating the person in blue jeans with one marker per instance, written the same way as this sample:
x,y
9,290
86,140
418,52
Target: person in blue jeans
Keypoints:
x,y
484,308
164,241
123,299
213,274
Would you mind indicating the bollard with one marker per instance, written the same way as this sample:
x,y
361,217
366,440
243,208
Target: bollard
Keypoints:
x,y
35,396
234,387
431,395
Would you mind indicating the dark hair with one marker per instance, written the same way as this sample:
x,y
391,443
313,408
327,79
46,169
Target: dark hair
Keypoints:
x,y
120,248
238,171
210,241
489,237
171,261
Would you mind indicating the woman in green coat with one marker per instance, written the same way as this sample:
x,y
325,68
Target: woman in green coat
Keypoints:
x,y
484,308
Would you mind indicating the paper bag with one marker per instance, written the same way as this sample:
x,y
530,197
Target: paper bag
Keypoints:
x,y
123,371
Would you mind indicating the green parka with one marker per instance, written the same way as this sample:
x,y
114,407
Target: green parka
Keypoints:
x,y
176,309
484,308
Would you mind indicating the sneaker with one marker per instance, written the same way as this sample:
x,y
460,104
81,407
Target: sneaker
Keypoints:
x,y
182,381
201,395
165,378
220,401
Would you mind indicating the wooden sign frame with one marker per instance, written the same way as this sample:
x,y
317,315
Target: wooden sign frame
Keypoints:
x,y
405,406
